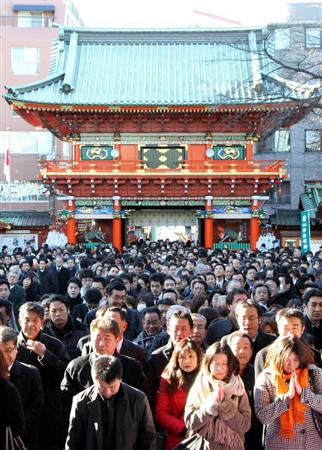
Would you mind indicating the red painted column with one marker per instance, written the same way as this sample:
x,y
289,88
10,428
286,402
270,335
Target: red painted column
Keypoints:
x,y
117,224
254,226
76,152
209,225
71,222
249,150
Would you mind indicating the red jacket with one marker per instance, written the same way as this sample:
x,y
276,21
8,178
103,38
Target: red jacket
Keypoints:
x,y
169,412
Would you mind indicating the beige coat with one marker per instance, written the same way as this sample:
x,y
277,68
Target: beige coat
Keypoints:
x,y
269,409
236,414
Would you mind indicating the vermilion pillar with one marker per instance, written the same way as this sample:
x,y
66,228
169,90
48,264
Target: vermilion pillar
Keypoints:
x,y
71,222
209,225
249,150
117,224
254,227
76,152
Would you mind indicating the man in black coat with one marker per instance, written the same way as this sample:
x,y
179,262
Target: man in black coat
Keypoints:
x,y
313,315
124,346
104,339
27,380
64,327
73,295
248,315
60,275
45,278
116,293
17,293
221,327
49,355
110,414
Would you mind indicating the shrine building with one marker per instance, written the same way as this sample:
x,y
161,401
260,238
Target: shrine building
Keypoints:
x,y
163,126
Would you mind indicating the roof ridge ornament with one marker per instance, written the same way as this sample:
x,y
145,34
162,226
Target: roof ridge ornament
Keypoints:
x,y
69,79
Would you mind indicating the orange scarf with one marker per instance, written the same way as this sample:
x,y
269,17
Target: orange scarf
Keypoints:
x,y
296,411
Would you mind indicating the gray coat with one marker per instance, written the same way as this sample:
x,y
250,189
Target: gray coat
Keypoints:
x,y
269,409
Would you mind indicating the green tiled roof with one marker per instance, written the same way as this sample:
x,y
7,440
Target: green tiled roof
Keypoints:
x,y
286,217
26,218
312,198
154,67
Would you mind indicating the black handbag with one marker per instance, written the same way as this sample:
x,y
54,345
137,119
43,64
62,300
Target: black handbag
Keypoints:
x,y
317,417
194,442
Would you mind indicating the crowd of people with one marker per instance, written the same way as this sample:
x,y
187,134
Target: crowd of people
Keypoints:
x,y
161,345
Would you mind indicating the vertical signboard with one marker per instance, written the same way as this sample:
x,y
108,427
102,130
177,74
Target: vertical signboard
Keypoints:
x,y
305,231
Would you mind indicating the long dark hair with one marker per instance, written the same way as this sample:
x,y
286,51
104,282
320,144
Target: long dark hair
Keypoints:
x,y
176,377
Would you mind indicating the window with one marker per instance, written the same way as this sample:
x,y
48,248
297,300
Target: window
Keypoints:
x,y
30,19
279,141
313,38
282,194
23,192
282,38
37,142
313,140
25,60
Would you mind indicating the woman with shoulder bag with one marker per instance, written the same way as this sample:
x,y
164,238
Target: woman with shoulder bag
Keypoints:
x,y
288,396
217,409
176,380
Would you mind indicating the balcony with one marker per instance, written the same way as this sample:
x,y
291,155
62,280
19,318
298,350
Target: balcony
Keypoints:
x,y
137,168
26,21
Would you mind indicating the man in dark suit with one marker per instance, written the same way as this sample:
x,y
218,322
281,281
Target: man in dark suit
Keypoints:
x,y
17,293
124,346
110,414
179,327
60,275
49,355
27,380
104,339
248,316
313,315
116,293
64,327
45,278
221,327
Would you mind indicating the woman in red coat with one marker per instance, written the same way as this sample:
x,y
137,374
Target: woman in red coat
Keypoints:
x,y
176,380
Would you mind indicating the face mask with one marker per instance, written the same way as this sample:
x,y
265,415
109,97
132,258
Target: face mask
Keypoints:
x,y
141,306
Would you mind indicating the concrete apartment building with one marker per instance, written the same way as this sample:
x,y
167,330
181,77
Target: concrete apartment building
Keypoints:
x,y
297,44
298,40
